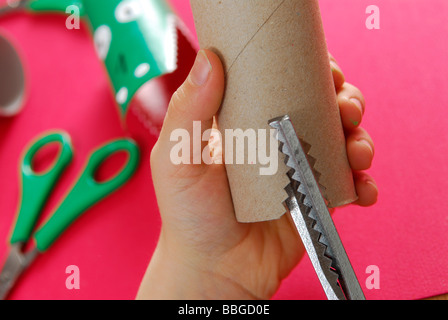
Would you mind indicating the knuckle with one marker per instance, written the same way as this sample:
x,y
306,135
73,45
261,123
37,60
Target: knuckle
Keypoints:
x,y
179,102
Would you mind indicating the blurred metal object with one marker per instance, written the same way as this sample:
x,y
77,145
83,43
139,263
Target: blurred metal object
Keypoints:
x,y
13,5
12,79
14,266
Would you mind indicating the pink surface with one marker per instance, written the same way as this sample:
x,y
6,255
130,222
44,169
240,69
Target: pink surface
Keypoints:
x,y
402,71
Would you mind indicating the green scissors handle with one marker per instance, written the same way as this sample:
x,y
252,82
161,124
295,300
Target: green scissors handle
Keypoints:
x,y
37,187
52,5
42,6
87,191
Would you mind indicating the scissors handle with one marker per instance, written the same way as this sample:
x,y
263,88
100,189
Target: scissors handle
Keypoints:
x,y
36,187
41,6
87,191
52,5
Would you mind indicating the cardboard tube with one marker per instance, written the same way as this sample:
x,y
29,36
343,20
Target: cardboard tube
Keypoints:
x,y
12,79
276,62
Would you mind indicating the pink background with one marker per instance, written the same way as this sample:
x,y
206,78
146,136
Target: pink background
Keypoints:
x,y
402,70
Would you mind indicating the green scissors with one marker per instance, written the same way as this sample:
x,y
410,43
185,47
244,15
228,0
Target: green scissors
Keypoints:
x,y
37,187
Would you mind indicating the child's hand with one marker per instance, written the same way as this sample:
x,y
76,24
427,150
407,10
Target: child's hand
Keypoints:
x,y
203,252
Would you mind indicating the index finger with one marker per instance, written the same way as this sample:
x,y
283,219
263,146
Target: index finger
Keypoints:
x,y
338,75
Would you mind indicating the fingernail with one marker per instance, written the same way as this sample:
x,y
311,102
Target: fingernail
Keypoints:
x,y
354,122
201,69
334,66
366,143
371,183
357,103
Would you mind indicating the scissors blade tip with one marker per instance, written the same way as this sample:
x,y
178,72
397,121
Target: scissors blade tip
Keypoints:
x,y
14,266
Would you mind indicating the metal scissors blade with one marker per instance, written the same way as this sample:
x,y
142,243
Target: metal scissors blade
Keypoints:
x,y
14,266
13,5
309,212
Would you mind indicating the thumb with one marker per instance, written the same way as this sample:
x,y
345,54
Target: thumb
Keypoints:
x,y
197,100
199,97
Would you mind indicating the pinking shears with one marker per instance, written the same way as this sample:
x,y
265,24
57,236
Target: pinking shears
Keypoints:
x,y
310,216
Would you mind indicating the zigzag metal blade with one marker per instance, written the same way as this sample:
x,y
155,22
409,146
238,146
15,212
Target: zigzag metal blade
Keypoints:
x,y
312,239
309,212
316,250
299,187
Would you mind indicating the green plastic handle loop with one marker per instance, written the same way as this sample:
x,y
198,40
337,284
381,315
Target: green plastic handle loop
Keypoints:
x,y
87,191
54,5
37,187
